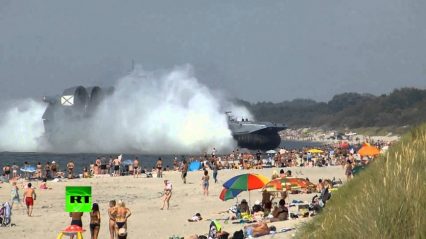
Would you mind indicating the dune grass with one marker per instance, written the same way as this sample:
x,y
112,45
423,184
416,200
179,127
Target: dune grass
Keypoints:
x,y
387,200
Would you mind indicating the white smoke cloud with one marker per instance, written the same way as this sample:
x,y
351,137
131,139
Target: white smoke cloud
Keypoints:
x,y
21,126
148,112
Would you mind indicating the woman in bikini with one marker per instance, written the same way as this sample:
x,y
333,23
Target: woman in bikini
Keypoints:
x,y
111,214
205,183
167,194
95,221
159,166
121,215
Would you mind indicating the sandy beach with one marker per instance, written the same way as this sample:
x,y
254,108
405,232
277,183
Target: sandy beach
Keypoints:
x,y
142,197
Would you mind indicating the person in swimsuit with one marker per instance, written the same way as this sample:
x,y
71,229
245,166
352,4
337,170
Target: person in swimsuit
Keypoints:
x,y
348,170
159,166
97,166
167,194
54,169
116,163
280,213
205,183
70,167
121,214
29,198
38,170
76,220
184,170
14,195
111,214
136,170
95,221
47,170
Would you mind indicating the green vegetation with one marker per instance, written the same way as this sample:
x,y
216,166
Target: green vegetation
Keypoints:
x,y
402,107
387,200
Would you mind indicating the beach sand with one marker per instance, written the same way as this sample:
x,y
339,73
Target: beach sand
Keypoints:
x,y
142,196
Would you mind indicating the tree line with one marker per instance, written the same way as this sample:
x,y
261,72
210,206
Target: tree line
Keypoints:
x,y
402,107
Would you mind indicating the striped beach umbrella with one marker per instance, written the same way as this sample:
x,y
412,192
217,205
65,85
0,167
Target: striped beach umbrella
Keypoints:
x,y
246,182
227,194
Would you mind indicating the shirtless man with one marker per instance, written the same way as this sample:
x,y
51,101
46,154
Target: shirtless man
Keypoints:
x,y
76,219
116,163
121,214
136,170
29,198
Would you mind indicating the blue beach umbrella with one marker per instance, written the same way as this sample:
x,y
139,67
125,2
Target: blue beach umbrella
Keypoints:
x,y
194,166
28,169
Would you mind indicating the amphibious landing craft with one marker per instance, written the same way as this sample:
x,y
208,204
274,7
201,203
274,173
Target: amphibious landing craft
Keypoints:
x,y
66,115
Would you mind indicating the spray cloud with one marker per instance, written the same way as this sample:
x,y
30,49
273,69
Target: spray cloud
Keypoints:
x,y
148,112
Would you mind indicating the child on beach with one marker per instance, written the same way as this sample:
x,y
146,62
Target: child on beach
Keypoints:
x,y
205,183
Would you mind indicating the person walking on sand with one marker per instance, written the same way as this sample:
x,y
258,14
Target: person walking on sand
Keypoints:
x,y
95,221
136,169
205,182
184,170
111,214
121,213
14,195
167,194
159,166
215,167
348,170
29,198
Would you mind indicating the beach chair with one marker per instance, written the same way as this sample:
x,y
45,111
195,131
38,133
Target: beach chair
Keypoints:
x,y
5,214
71,231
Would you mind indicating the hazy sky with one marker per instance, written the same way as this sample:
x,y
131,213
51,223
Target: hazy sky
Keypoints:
x,y
256,50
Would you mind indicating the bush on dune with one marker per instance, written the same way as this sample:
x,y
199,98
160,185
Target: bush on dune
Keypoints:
x,y
387,200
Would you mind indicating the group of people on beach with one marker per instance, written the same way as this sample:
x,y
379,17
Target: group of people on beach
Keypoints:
x,y
118,214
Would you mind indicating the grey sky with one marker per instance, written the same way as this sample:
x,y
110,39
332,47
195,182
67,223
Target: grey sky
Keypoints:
x,y
255,50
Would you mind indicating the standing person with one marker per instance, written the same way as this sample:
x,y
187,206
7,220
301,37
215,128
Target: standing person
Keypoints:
x,y
111,214
47,170
116,163
184,170
6,170
38,170
14,195
215,167
15,169
136,170
205,183
167,194
159,166
348,170
76,220
97,166
104,165
70,167
29,198
53,169
121,215
95,221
